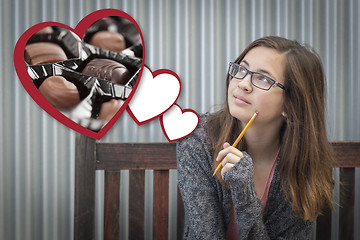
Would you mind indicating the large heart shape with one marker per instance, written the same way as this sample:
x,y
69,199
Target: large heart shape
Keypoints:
x,y
79,30
156,93
177,123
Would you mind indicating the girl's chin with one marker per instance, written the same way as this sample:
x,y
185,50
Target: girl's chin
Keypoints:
x,y
243,116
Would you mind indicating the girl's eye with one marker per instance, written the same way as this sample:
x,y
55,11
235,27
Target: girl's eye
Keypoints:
x,y
242,70
262,79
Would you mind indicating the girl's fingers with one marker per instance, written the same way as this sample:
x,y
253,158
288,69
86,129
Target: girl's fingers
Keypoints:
x,y
225,168
230,158
229,149
226,145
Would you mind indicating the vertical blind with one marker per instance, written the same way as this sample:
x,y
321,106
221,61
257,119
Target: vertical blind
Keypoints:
x,y
196,40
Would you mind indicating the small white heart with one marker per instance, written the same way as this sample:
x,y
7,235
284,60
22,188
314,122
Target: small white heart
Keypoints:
x,y
155,94
177,123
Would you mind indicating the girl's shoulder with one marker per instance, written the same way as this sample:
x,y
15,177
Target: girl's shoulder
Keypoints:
x,y
200,132
194,151
198,141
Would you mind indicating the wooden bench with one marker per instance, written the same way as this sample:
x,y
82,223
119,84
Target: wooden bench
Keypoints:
x,y
137,157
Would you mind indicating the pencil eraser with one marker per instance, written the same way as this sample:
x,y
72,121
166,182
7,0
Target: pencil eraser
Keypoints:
x,y
257,112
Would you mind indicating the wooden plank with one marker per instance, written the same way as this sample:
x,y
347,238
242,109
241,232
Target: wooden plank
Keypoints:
x,y
323,225
84,188
112,205
136,204
115,156
180,216
161,204
346,215
347,154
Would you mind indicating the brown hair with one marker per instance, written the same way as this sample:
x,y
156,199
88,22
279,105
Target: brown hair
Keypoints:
x,y
306,157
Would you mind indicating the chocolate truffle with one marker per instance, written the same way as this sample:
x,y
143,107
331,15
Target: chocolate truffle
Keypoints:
x,y
105,22
107,69
109,109
112,41
45,30
44,52
59,92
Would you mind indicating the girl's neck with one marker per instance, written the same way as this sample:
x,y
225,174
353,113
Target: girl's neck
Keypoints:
x,y
263,142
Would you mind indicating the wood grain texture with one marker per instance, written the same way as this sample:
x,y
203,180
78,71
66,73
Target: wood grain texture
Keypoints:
x,y
112,206
323,225
347,201
84,188
136,204
161,204
347,154
113,156
116,156
180,216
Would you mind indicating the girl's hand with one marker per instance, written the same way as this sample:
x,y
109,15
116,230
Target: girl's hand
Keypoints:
x,y
230,156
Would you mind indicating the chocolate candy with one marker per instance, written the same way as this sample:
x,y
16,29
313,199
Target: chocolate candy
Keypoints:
x,y
107,69
115,34
59,92
109,109
89,80
45,30
112,41
44,52
105,23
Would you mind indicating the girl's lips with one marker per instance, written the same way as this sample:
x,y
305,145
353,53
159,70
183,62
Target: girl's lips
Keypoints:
x,y
241,100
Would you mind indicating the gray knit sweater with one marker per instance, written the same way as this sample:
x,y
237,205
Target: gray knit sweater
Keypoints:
x,y
207,203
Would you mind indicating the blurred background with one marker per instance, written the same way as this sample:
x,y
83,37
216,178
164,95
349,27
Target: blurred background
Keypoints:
x,y
196,40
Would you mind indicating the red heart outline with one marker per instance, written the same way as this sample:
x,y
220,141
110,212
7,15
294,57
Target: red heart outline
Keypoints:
x,y
79,30
154,74
182,111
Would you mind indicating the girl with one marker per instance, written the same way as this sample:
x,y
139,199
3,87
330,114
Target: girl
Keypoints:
x,y
279,178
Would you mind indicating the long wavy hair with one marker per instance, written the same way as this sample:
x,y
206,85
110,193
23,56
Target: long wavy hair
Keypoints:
x,y
306,158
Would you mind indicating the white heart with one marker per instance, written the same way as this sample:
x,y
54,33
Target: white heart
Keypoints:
x,y
177,123
154,95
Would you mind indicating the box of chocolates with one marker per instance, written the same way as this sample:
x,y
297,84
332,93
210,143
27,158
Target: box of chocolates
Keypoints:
x,y
87,80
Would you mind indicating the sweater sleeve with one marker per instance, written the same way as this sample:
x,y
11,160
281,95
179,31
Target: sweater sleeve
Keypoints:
x,y
203,214
248,208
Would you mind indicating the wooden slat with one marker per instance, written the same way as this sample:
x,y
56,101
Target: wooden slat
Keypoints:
x,y
136,204
323,225
112,205
113,156
347,154
84,188
161,204
180,216
346,215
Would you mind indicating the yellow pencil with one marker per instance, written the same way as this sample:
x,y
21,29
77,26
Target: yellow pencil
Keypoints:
x,y
239,137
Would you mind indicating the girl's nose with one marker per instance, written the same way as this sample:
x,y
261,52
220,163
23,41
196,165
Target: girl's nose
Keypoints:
x,y
245,83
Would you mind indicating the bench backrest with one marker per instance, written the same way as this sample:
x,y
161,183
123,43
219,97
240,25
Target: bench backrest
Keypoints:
x,y
161,157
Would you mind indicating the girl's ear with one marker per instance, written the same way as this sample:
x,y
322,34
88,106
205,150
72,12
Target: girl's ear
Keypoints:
x,y
284,115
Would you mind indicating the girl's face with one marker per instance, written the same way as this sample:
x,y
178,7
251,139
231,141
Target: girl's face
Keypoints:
x,y
244,98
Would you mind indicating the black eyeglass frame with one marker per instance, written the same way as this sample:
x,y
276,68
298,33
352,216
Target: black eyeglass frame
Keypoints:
x,y
273,82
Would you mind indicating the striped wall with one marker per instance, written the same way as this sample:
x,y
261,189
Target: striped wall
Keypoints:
x,y
196,39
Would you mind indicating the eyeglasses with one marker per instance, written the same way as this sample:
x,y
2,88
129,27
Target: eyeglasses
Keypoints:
x,y
257,79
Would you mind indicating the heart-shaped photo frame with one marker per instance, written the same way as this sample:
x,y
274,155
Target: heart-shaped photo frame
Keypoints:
x,y
93,71
157,92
